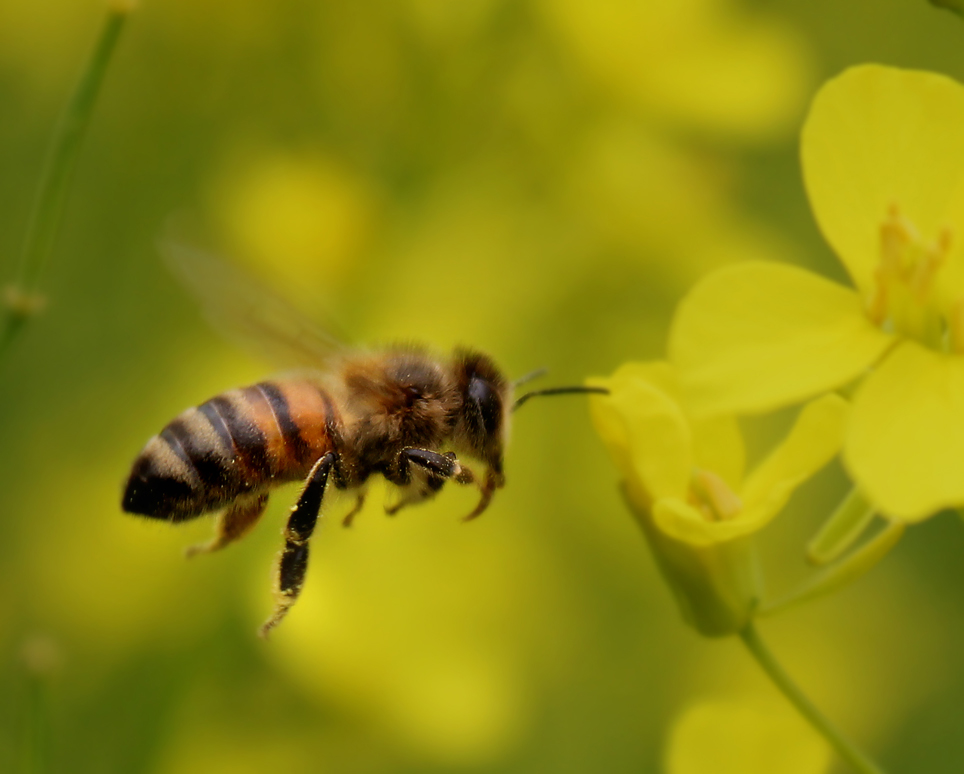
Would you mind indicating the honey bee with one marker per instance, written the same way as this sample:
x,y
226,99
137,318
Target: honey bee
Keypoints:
x,y
402,413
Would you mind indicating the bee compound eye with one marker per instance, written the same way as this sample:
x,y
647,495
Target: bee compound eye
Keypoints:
x,y
488,403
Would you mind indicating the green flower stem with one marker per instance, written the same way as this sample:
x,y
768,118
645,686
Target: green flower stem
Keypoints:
x,y
21,301
842,529
13,323
846,749
841,573
36,751
954,6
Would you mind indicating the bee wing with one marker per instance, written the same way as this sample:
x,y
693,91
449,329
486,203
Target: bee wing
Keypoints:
x,y
249,314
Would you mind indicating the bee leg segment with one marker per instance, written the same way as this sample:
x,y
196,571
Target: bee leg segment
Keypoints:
x,y
350,516
415,496
492,482
464,475
442,466
301,523
438,468
234,523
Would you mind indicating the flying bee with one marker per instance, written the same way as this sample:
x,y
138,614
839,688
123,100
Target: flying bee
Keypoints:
x,y
403,413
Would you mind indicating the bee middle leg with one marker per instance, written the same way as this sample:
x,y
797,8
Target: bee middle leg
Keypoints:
x,y
417,493
349,517
301,523
233,524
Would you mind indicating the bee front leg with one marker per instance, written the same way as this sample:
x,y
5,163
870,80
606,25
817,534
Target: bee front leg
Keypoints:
x,y
446,466
492,482
441,466
438,469
301,523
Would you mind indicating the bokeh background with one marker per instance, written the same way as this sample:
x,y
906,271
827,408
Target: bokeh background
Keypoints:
x,y
541,179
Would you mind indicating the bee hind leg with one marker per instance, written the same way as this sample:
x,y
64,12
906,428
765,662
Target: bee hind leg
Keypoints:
x,y
293,562
233,523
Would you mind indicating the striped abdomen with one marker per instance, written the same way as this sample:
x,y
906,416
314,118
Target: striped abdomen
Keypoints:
x,y
238,442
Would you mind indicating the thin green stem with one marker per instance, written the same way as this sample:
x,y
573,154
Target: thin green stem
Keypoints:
x,y
58,171
954,6
846,749
36,752
844,527
838,575
12,325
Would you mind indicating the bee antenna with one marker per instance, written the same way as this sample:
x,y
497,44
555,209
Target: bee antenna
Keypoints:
x,y
530,377
559,391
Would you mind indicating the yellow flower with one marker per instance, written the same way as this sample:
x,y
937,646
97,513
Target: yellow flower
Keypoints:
x,y
684,480
883,161
709,64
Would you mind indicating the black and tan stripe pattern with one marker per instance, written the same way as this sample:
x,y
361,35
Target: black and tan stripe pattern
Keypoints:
x,y
229,417
230,445
296,446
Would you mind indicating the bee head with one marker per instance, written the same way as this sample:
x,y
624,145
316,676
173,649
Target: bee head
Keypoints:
x,y
481,424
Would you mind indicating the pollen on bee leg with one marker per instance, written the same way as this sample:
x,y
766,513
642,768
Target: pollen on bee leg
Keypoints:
x,y
713,496
283,603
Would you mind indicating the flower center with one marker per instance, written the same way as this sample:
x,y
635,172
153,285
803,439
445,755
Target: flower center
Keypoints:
x,y
903,300
712,496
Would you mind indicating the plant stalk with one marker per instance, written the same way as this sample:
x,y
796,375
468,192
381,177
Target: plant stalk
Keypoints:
x,y
857,760
844,527
21,301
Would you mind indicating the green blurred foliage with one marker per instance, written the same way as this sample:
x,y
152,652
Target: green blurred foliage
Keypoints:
x,y
541,179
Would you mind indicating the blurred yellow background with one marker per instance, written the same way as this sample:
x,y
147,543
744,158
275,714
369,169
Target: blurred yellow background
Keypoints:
x,y
540,179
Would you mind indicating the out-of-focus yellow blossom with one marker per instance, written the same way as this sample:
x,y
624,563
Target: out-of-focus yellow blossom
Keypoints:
x,y
421,654
302,218
684,479
448,23
883,159
698,62
42,42
744,737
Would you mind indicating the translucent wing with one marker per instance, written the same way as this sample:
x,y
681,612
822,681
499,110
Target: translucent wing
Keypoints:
x,y
248,313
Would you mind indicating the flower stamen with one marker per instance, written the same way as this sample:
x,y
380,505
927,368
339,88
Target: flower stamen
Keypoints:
x,y
902,300
713,497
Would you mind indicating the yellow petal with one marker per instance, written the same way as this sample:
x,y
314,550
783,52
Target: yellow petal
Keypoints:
x,y
756,336
877,136
691,61
715,585
905,443
718,447
644,428
815,439
680,520
746,82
